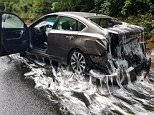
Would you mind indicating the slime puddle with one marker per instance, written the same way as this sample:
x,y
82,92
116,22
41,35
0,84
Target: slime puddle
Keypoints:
x,y
77,95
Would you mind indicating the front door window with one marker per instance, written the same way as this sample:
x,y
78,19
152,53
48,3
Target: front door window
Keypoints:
x,y
11,21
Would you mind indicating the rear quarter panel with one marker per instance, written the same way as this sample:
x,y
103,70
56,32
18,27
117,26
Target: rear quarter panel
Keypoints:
x,y
88,43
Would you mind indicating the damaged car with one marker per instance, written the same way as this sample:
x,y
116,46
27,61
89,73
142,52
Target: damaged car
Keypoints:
x,y
81,40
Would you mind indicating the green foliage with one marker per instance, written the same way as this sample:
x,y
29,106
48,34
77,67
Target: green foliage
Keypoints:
x,y
138,12
27,9
144,20
73,5
133,7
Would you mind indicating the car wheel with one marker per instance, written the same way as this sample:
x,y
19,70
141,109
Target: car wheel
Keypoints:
x,y
23,54
78,62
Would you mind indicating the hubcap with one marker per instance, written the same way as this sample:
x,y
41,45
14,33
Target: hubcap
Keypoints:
x,y
78,62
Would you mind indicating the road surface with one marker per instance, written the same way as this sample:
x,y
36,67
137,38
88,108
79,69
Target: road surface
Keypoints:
x,y
17,95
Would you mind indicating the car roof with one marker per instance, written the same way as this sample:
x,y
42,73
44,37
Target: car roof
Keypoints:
x,y
81,14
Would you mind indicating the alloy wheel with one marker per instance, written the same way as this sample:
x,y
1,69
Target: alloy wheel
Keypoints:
x,y
78,62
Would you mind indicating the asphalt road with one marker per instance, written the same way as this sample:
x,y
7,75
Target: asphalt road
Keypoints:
x,y
17,95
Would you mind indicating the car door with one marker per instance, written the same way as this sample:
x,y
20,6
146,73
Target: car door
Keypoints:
x,y
59,38
13,34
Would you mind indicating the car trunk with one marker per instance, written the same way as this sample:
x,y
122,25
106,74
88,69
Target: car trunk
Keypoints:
x,y
126,55
129,47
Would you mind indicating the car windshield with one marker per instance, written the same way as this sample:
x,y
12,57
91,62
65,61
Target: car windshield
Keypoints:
x,y
105,22
48,21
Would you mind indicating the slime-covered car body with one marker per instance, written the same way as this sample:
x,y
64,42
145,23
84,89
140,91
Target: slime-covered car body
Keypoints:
x,y
78,39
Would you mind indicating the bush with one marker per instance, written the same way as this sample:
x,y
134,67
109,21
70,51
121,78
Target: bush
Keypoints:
x,y
144,20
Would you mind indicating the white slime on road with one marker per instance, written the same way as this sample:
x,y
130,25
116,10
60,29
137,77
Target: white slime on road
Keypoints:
x,y
77,95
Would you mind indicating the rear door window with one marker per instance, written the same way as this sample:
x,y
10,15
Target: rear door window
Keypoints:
x,y
67,23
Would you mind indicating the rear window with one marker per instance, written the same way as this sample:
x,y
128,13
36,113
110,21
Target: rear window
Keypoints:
x,y
105,22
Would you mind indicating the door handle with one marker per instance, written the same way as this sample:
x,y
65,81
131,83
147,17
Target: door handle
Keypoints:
x,y
70,37
21,32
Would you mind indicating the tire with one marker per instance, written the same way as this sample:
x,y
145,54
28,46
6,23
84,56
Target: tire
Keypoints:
x,y
78,62
23,54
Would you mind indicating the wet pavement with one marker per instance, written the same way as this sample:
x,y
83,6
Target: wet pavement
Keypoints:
x,y
17,95
30,88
